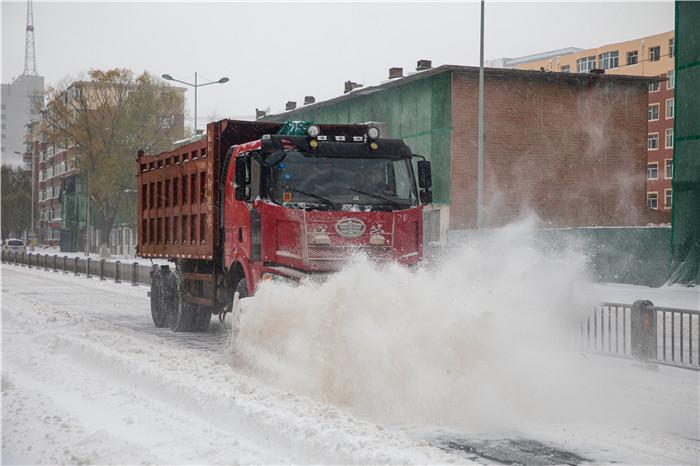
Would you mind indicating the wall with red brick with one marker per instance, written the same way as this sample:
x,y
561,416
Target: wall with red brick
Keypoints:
x,y
660,155
571,151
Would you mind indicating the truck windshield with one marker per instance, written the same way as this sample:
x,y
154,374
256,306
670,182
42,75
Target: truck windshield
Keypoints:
x,y
383,184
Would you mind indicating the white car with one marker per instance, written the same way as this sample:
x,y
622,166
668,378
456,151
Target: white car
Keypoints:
x,y
14,245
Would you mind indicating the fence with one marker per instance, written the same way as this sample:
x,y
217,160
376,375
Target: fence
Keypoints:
x,y
640,330
643,331
128,272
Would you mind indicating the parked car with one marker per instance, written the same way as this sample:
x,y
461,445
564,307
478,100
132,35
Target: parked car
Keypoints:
x,y
13,245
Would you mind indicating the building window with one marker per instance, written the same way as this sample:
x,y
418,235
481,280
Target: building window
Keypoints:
x,y
653,112
565,68
669,108
632,57
671,83
655,53
668,169
585,64
671,46
653,171
652,141
655,86
669,138
668,198
653,200
609,59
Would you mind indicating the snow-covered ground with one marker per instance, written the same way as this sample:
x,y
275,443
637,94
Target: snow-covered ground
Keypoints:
x,y
86,378
675,296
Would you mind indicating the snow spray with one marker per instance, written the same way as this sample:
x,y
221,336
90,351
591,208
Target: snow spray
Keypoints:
x,y
485,337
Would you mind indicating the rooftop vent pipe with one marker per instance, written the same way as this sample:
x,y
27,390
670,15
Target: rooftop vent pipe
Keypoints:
x,y
349,86
424,65
309,99
290,106
395,73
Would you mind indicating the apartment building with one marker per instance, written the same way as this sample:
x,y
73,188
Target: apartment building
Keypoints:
x,y
647,56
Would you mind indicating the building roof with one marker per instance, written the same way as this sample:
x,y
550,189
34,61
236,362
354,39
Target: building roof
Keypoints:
x,y
538,56
511,73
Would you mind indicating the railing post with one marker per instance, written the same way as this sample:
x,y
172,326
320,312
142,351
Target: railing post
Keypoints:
x,y
65,264
643,331
55,257
16,257
46,262
29,262
134,271
102,269
75,268
87,267
116,272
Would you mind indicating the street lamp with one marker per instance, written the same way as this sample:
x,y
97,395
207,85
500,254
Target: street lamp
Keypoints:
x,y
195,85
31,229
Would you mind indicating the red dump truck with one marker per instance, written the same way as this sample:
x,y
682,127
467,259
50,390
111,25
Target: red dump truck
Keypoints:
x,y
255,201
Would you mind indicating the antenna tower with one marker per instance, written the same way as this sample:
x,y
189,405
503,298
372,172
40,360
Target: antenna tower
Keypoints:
x,y
29,55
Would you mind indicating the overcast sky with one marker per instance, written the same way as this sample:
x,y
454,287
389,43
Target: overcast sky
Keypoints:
x,y
274,52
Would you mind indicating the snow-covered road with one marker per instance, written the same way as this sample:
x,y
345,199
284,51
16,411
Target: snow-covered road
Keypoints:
x,y
86,378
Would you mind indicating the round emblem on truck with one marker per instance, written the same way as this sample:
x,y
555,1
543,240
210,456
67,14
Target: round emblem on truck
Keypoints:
x,y
350,227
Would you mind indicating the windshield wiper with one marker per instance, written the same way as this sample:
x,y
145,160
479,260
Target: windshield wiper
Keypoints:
x,y
376,196
320,198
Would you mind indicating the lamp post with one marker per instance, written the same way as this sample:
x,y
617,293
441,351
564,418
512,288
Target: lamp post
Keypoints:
x,y
195,85
132,223
32,235
480,135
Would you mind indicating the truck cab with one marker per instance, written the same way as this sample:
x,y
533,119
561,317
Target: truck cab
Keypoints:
x,y
302,206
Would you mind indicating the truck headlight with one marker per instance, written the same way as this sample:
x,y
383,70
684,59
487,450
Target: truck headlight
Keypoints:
x,y
373,133
313,131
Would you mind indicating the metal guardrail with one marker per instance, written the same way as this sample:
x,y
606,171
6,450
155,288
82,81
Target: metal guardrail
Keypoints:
x,y
127,272
643,331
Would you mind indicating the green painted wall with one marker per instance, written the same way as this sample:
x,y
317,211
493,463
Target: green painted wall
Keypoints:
x,y
420,112
686,151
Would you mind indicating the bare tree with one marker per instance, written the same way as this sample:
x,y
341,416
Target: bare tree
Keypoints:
x,y
108,118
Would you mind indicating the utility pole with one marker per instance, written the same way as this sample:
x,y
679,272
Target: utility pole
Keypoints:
x,y
480,140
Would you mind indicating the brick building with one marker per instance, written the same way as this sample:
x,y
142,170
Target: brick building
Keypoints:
x,y
646,56
568,147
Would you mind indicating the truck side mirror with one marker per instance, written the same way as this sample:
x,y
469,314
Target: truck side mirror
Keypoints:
x,y
425,177
241,180
425,182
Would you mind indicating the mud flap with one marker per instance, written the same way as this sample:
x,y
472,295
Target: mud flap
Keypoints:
x,y
237,308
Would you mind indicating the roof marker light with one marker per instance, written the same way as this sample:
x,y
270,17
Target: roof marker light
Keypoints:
x,y
322,138
358,138
373,133
340,138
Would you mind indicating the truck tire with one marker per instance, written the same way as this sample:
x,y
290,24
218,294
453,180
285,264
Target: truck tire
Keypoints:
x,y
181,316
158,312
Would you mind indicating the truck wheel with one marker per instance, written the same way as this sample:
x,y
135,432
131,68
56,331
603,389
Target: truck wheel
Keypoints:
x,y
180,315
158,312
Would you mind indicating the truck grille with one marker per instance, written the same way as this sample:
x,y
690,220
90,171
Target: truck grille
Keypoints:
x,y
327,258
